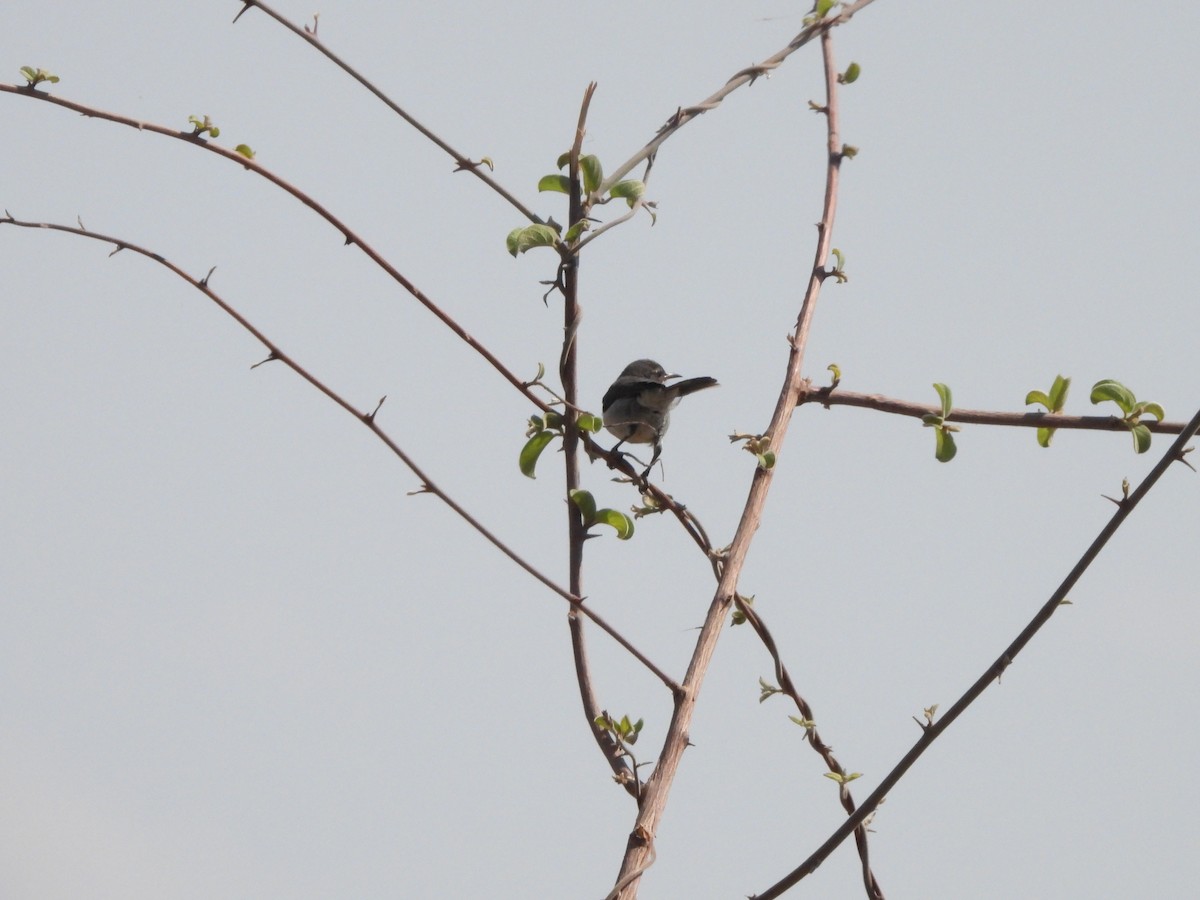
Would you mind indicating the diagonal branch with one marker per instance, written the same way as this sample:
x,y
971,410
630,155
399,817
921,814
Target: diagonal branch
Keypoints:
x,y
641,840
349,234
683,115
463,163
428,486
994,671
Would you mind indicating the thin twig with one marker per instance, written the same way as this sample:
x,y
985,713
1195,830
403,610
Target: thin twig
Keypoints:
x,y
1124,509
746,76
462,163
428,486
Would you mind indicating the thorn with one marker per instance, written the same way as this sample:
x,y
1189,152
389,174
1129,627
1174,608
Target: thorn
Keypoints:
x,y
370,417
204,280
270,358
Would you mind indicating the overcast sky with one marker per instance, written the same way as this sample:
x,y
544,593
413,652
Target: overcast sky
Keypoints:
x,y
238,659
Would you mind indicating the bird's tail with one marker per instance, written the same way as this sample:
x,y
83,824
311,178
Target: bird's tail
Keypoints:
x,y
691,385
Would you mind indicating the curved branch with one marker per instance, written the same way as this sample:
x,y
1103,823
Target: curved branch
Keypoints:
x,y
349,234
428,486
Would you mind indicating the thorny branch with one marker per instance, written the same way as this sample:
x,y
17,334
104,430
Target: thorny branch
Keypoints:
x,y
657,788
427,485
1175,453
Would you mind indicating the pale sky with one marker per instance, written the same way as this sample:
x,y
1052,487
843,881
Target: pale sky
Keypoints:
x,y
239,660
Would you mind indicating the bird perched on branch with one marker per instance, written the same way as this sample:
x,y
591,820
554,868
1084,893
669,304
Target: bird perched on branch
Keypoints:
x,y
637,406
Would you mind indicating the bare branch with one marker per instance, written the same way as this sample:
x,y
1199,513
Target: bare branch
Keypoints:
x,y
933,731
428,486
351,237
746,76
654,795
462,163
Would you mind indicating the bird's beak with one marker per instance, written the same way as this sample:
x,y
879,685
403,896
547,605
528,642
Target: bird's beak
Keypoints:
x,y
669,377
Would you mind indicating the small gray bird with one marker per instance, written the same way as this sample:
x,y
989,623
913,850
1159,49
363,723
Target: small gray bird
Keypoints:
x,y
637,406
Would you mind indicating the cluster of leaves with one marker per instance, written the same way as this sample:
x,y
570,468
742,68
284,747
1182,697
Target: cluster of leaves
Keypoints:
x,y
759,445
592,174
203,126
542,430
1053,401
1133,410
618,521
945,448
34,77
625,731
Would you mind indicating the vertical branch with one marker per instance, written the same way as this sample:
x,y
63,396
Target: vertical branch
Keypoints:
x,y
576,534
640,846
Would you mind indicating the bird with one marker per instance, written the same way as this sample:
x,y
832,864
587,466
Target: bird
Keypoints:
x,y
637,406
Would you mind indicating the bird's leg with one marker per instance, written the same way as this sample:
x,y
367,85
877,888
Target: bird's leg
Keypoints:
x,y
654,458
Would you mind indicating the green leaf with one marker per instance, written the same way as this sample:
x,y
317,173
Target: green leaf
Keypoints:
x,y
532,450
1058,393
944,393
1154,409
521,239
932,420
766,460
1045,435
576,230
945,449
560,183
851,74
586,504
1038,397
618,521
589,423
630,190
564,160
593,172
1109,389
34,77
1141,438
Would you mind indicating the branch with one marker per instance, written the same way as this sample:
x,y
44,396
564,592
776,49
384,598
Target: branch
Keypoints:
x,y
576,532
654,796
428,486
350,236
828,396
462,163
1124,508
746,76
